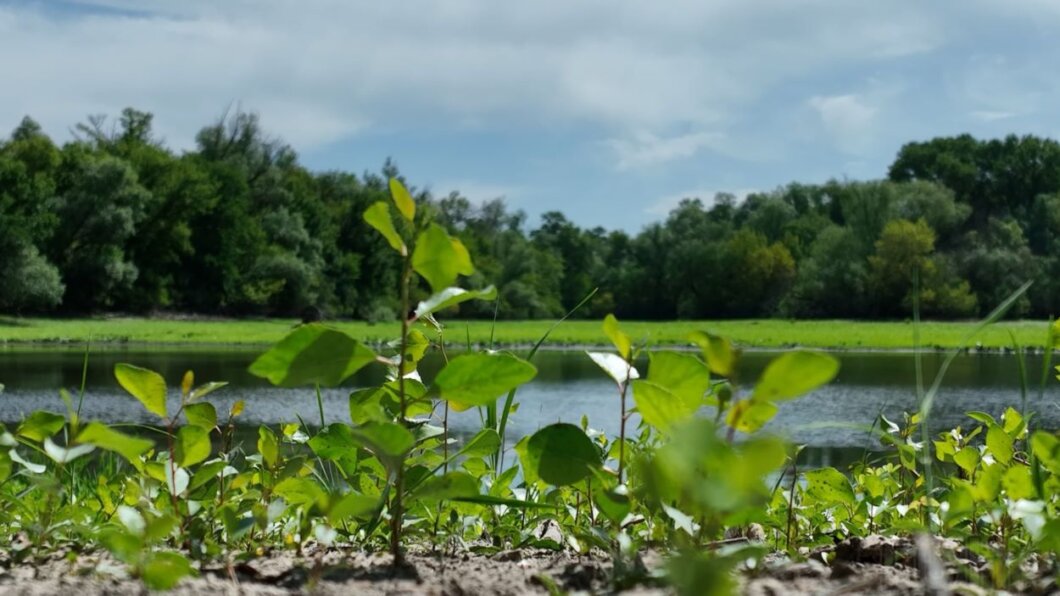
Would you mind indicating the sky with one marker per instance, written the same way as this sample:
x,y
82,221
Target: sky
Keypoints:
x,y
610,111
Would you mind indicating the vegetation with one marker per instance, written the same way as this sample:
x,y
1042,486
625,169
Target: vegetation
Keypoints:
x,y
114,221
758,333
677,482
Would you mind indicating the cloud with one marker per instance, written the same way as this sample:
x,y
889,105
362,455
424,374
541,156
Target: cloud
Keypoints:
x,y
646,149
848,119
991,115
322,70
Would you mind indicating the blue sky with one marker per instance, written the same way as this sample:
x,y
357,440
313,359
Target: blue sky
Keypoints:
x,y
608,110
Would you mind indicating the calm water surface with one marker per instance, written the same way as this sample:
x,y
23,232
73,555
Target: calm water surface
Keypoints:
x,y
568,386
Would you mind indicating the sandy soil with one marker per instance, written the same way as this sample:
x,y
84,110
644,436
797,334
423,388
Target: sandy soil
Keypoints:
x,y
870,566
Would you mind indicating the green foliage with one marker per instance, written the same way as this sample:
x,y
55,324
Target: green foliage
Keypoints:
x,y
479,379
312,354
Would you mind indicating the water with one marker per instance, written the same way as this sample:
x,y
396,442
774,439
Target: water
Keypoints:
x,y
834,418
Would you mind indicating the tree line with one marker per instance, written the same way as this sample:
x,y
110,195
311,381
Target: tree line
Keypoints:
x,y
114,221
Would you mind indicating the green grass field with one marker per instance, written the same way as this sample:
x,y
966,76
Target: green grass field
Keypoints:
x,y
752,333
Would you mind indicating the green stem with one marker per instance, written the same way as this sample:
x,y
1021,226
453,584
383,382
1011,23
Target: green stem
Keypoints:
x,y
396,512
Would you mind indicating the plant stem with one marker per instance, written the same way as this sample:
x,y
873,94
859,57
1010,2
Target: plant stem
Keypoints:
x,y
622,425
395,503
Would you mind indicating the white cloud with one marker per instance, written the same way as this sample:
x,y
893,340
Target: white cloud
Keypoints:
x,y
321,70
848,119
646,149
991,115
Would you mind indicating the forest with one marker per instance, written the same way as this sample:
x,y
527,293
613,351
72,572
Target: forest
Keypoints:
x,y
116,221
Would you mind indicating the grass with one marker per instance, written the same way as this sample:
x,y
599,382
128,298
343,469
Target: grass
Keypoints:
x,y
754,333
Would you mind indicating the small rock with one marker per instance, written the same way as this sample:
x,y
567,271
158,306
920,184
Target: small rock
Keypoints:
x,y
508,555
811,569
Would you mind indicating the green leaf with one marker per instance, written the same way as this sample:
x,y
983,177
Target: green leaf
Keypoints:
x,y
612,501
268,447
983,417
967,458
1013,422
1046,447
749,415
203,415
389,441
378,216
479,379
105,437
485,442
1018,483
452,296
40,425
561,454
299,491
492,500
435,259
163,570
829,485
353,504
717,351
793,374
402,199
203,390
463,258
447,486
192,446
659,407
366,405
618,338
145,385
312,354
684,375
333,441
999,444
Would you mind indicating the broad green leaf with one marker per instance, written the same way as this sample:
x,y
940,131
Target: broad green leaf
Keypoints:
x,y
192,446
659,407
355,505
618,338
378,216
561,454
999,444
1013,422
615,367
1046,447
447,486
312,354
987,484
718,351
299,491
479,379
105,437
6,465
684,375
982,417
145,385
402,199
268,446
967,458
40,425
829,486
385,439
209,471
749,415
435,259
203,415
612,501
203,390
366,405
485,442
451,297
64,455
463,258
163,570
793,374
333,441
1018,483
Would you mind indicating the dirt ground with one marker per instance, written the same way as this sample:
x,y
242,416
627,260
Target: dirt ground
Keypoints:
x,y
869,566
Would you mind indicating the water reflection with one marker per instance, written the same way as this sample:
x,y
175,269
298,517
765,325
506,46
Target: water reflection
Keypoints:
x,y
568,386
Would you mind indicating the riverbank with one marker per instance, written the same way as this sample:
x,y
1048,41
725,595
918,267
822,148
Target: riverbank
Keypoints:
x,y
761,333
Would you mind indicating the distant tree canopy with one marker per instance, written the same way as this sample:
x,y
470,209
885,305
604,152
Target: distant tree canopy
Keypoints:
x,y
116,221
